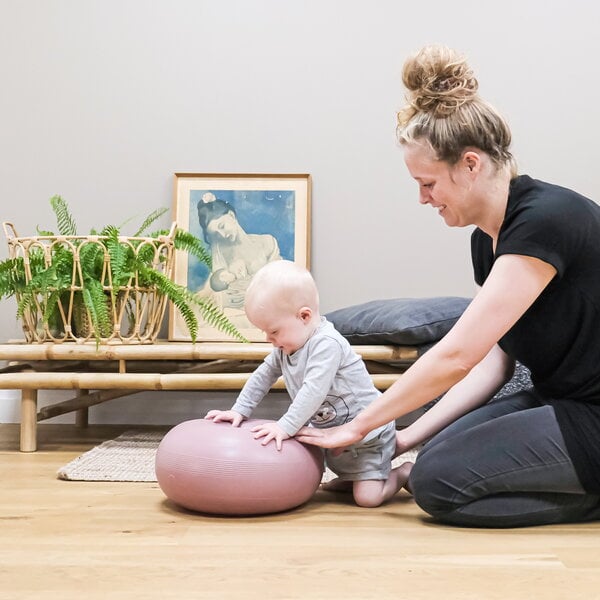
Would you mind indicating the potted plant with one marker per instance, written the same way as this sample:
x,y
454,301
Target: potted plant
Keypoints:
x,y
103,286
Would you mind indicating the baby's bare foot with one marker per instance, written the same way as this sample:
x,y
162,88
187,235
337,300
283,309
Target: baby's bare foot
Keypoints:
x,y
337,485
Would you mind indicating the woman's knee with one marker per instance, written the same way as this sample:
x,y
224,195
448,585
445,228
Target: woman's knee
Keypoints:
x,y
432,486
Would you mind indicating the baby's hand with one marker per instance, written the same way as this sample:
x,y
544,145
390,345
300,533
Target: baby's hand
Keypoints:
x,y
270,431
232,416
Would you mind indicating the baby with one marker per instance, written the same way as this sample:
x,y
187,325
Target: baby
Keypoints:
x,y
327,381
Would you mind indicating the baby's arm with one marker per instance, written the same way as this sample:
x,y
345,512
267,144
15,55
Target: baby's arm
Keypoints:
x,y
322,367
255,389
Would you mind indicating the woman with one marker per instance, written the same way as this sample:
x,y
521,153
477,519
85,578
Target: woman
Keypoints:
x,y
530,458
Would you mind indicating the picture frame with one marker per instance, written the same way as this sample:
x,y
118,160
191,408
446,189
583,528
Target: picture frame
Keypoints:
x,y
246,221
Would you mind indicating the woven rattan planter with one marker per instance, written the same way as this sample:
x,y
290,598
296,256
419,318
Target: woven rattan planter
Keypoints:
x,y
86,265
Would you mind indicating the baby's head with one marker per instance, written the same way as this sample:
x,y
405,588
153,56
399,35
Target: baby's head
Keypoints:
x,y
282,300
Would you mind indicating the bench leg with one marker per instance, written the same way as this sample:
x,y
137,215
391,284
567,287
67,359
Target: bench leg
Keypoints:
x,y
28,420
82,414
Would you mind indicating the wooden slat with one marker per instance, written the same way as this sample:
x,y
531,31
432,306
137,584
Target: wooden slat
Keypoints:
x,y
81,402
177,351
203,366
144,381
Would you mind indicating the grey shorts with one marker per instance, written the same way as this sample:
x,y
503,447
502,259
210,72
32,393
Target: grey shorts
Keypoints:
x,y
366,460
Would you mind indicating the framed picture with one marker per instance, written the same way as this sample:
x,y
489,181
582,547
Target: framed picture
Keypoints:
x,y
246,221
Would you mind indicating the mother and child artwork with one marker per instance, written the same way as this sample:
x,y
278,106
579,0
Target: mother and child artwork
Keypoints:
x,y
245,221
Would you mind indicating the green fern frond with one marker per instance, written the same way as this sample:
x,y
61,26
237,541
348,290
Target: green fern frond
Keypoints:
x,y
145,254
91,261
215,317
38,288
64,219
24,304
52,313
120,255
176,294
97,303
44,232
43,280
184,240
159,233
51,306
181,297
107,229
151,218
187,314
12,277
37,260
62,263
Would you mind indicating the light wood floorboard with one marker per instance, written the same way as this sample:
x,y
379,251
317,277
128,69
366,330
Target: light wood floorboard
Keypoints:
x,y
63,540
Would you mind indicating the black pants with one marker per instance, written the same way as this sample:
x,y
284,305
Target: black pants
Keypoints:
x,y
502,465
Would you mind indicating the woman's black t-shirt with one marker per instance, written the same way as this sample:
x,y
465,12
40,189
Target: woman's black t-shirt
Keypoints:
x,y
558,338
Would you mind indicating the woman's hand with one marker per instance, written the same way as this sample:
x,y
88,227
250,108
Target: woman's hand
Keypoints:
x,y
332,437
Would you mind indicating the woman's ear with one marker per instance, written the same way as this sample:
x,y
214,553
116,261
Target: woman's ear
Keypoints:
x,y
472,161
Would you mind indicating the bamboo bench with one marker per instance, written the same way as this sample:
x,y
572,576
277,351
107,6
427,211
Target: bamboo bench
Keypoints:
x,y
107,372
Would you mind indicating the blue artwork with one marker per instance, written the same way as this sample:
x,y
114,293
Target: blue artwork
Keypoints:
x,y
243,230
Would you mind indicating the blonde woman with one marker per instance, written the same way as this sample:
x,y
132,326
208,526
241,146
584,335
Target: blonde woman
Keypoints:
x,y
533,457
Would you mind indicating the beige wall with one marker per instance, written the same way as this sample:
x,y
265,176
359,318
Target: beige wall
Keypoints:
x,y
103,100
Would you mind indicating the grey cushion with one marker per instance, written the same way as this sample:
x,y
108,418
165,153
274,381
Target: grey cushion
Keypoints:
x,y
400,321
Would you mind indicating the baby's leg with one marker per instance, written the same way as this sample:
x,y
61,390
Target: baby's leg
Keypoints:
x,y
372,492
337,485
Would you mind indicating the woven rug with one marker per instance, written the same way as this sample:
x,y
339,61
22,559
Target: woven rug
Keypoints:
x,y
131,456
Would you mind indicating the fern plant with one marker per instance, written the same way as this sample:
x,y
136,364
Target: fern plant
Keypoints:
x,y
73,287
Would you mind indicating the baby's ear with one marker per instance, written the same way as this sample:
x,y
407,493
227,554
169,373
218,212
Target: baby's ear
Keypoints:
x,y
305,313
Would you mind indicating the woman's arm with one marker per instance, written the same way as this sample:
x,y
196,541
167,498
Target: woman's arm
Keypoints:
x,y
512,286
475,389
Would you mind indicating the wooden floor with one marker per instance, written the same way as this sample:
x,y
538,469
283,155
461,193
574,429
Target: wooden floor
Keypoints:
x,y
63,540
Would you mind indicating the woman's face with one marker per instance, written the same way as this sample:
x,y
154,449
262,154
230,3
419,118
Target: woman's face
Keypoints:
x,y
224,227
441,186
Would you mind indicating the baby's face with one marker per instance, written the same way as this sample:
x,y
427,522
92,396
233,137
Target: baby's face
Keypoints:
x,y
286,331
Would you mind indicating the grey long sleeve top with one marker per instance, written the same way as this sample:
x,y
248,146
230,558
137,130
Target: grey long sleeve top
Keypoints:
x,y
327,381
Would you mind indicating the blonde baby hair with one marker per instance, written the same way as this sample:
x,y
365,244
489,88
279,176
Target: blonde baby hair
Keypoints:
x,y
285,283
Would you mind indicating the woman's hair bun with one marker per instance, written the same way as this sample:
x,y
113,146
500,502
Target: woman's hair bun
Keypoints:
x,y
438,80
